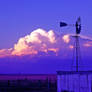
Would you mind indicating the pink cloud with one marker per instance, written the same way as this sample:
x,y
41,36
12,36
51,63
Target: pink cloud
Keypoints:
x,y
40,40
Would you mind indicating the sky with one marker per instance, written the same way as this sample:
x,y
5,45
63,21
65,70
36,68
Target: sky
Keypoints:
x,y
30,35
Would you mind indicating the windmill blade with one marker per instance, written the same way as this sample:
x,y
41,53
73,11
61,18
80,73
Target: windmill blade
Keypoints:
x,y
82,37
86,38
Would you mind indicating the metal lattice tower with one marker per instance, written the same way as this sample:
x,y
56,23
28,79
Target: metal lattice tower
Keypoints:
x,y
76,45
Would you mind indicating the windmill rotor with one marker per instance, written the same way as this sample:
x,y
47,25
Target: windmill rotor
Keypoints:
x,y
78,26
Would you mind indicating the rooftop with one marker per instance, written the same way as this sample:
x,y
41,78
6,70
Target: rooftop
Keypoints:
x,y
73,72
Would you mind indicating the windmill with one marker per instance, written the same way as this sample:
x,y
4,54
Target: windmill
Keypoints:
x,y
71,81
77,45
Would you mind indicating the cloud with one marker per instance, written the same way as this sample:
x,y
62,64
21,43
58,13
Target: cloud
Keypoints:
x,y
40,40
5,52
66,38
88,44
37,41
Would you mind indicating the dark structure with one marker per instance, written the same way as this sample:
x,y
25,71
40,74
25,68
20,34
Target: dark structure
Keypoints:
x,y
76,45
74,80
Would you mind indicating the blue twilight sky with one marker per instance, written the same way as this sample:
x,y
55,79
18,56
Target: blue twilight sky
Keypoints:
x,y
19,17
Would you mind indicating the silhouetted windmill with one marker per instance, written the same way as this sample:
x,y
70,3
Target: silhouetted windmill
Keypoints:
x,y
74,81
77,45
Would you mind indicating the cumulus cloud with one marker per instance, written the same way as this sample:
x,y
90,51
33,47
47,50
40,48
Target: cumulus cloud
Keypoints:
x,y
37,41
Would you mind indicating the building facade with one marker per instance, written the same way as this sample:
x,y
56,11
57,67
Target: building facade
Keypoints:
x,y
72,81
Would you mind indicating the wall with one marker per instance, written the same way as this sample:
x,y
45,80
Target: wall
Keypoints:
x,y
74,83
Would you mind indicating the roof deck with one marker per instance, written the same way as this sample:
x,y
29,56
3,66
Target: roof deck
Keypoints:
x,y
73,72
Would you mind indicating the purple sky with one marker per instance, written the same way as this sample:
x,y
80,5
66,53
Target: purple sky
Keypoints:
x,y
19,18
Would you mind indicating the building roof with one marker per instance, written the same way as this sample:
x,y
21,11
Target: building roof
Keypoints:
x,y
73,72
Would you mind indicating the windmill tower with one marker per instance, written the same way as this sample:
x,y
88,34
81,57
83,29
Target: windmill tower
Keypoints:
x,y
76,45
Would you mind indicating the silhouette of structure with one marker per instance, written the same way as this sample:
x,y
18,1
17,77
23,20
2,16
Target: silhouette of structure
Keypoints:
x,y
72,81
76,45
76,80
